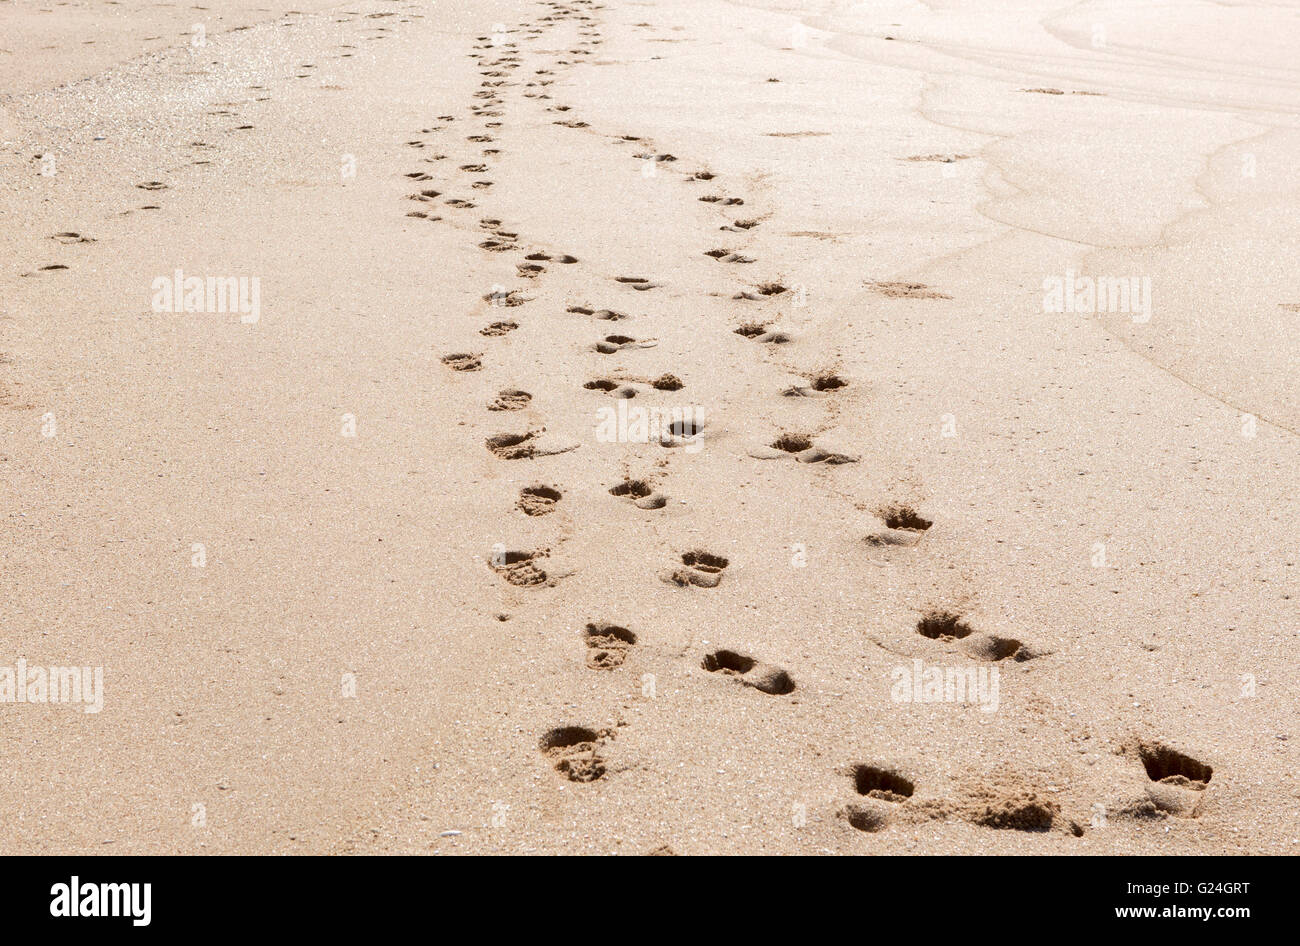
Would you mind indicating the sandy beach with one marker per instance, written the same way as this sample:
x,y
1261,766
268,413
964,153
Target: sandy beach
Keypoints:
x,y
703,427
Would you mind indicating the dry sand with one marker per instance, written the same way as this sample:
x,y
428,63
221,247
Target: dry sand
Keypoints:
x,y
338,611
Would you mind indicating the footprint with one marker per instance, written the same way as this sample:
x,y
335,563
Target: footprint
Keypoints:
x,y
903,526
463,362
68,237
538,500
152,186
1178,779
726,256
993,648
761,333
573,750
818,384
750,672
701,569
639,283
801,447
943,625
510,400
498,328
681,433
610,386
613,343
506,298
881,784
864,818
519,568
907,290
1014,809
526,446
607,645
641,494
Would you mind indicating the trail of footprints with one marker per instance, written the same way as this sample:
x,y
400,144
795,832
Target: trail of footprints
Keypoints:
x,y
879,794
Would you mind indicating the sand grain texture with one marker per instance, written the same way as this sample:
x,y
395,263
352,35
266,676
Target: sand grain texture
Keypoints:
x,y
372,567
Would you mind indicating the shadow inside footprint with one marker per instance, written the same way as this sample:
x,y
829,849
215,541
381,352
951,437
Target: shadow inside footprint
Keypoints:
x,y
904,526
608,645
750,672
573,752
641,493
538,500
701,569
943,625
881,784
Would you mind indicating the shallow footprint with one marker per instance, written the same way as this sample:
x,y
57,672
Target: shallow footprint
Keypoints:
x,y
462,361
510,400
613,343
538,500
699,568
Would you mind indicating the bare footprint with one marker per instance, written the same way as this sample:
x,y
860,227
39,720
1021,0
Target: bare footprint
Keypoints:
x,y
526,446
727,256
639,283
608,645
819,384
1178,779
538,500
801,448
614,343
522,569
699,569
510,400
943,626
574,752
907,290
904,526
750,672
761,333
462,361
640,493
